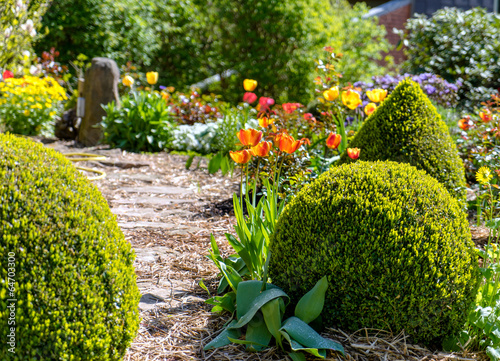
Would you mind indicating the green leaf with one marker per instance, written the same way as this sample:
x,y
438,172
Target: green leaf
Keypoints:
x,y
297,356
295,346
245,342
245,296
311,304
202,285
493,353
261,300
226,302
225,337
214,164
305,335
272,318
189,161
232,277
257,332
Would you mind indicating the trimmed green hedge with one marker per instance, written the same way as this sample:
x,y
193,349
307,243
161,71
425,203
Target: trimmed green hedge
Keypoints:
x,y
396,248
407,128
77,298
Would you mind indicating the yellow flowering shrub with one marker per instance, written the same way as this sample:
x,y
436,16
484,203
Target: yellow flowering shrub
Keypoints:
x,y
29,105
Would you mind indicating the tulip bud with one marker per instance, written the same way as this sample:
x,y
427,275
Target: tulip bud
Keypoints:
x,y
249,85
152,77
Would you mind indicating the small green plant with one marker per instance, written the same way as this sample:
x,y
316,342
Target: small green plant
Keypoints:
x,y
142,123
260,308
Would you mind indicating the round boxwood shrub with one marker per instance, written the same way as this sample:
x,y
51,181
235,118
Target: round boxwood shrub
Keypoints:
x,y
396,248
64,259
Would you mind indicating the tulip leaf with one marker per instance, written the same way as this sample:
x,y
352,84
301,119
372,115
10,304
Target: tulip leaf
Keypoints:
x,y
260,300
297,356
311,304
225,337
305,335
295,346
258,333
272,318
245,296
232,277
244,342
225,302
215,163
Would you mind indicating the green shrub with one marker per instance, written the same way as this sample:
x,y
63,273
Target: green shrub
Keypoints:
x,y
407,128
396,248
165,36
142,123
74,281
458,45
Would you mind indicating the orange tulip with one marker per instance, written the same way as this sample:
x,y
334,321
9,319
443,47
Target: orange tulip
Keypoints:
x,y
249,136
351,99
249,85
264,122
331,94
333,141
262,149
464,123
485,116
241,157
370,108
286,143
376,95
353,153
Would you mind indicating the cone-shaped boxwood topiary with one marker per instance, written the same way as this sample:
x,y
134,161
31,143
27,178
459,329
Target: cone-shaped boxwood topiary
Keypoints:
x,y
406,128
396,248
67,284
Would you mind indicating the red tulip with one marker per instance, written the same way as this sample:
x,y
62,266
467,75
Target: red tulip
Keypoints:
x,y
265,103
485,116
465,123
353,153
249,97
333,141
7,74
289,108
249,136
241,157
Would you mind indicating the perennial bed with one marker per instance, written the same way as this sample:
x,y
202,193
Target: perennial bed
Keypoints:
x,y
170,262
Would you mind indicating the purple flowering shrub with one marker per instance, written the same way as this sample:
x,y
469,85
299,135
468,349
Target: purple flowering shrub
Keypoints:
x,y
437,89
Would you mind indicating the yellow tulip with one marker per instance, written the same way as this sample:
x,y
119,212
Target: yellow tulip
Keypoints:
x,y
351,99
331,94
370,108
128,81
152,77
249,85
376,95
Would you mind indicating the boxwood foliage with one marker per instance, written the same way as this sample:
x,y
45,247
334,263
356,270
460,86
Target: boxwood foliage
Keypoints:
x,y
75,287
407,128
395,245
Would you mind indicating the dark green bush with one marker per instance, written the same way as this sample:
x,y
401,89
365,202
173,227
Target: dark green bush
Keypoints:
x,y
164,36
407,128
77,298
396,248
458,45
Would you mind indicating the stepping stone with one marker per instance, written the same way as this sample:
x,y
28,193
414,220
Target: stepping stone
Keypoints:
x,y
151,201
137,176
149,212
171,227
157,190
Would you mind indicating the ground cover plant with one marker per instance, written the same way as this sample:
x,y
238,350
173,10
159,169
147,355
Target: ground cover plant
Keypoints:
x,y
71,267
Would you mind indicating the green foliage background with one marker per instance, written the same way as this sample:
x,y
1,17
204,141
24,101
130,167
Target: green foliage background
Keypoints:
x,y
457,44
274,42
